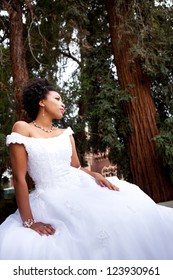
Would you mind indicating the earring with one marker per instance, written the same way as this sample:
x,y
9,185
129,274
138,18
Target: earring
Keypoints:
x,y
43,111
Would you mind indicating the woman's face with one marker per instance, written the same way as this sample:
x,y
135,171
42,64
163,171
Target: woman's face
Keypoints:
x,y
53,105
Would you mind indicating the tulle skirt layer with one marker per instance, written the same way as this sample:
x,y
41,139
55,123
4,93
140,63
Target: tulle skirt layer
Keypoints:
x,y
91,223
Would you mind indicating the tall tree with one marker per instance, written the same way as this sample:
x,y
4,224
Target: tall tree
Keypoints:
x,y
43,32
146,167
17,51
99,89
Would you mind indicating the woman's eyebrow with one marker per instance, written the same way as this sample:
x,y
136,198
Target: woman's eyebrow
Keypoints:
x,y
57,95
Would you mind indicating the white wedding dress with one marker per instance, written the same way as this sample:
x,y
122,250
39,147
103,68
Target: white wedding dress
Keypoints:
x,y
91,222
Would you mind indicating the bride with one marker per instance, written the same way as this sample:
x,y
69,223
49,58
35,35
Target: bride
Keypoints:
x,y
73,213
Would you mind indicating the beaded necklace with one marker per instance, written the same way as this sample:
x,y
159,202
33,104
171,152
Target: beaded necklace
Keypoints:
x,y
42,128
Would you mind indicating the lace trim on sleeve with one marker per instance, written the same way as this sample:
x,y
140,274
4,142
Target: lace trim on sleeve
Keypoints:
x,y
15,137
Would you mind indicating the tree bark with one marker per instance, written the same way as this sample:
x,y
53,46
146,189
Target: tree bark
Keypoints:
x,y
17,52
146,167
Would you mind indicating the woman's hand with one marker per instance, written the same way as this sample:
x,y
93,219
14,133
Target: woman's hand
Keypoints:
x,y
103,182
43,228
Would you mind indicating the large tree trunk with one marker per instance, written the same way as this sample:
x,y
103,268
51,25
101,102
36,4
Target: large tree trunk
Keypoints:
x,y
146,167
17,51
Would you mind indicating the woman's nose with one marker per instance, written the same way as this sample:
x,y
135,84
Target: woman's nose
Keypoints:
x,y
63,104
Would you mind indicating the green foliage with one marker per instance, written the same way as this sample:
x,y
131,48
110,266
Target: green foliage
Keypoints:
x,y
152,27
6,121
6,106
94,98
164,142
4,155
108,128
154,47
99,94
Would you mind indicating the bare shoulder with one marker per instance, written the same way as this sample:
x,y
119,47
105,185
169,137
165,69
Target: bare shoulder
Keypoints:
x,y
22,128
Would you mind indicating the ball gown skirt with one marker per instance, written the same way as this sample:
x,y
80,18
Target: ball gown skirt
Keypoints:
x,y
91,222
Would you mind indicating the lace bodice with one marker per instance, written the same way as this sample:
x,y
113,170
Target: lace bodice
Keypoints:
x,y
48,158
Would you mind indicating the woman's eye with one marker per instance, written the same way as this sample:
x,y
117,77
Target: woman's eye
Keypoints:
x,y
58,98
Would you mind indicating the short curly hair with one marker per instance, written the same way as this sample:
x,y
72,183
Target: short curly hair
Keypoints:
x,y
35,91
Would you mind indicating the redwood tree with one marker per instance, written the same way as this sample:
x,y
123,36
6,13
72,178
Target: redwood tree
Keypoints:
x,y
17,51
146,167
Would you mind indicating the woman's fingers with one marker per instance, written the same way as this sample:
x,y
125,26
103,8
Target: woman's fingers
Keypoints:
x,y
113,187
43,229
108,185
49,229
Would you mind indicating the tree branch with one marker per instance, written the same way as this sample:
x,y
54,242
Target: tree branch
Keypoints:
x,y
69,55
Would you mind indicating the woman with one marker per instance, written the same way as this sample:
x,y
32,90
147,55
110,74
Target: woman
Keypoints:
x,y
73,213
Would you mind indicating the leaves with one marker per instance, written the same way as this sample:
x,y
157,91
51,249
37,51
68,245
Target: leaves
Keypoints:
x,y
93,96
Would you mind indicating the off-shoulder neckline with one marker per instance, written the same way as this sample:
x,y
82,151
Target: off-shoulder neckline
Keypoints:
x,y
30,137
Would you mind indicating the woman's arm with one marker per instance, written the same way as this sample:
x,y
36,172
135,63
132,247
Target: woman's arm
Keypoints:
x,y
103,182
19,161
18,156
